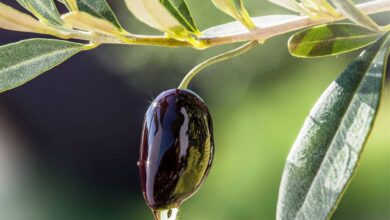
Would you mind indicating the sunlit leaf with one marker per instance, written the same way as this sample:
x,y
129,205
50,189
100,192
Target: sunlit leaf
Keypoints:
x,y
236,28
328,40
22,61
236,9
45,10
349,10
325,155
84,21
12,19
315,9
288,4
174,19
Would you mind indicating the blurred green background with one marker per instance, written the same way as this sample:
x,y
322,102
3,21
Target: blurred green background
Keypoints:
x,y
258,102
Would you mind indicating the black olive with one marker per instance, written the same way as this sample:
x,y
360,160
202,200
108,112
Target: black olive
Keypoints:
x,y
177,148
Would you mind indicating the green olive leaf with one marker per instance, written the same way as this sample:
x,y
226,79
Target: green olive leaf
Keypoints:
x,y
237,10
330,40
22,61
326,153
170,16
179,9
44,10
349,10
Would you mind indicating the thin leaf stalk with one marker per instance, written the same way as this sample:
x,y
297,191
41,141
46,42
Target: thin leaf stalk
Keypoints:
x,y
230,54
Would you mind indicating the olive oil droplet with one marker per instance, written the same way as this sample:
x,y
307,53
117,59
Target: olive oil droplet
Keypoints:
x,y
167,214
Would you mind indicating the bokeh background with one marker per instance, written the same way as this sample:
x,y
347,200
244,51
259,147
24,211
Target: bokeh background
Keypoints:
x,y
69,139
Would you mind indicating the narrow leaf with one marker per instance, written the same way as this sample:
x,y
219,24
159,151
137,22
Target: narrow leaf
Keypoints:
x,y
349,10
12,19
156,14
327,151
236,28
44,10
237,10
329,40
70,4
179,9
22,61
100,9
288,4
84,21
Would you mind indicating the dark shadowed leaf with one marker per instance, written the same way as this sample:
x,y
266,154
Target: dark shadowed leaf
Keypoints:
x,y
179,9
22,61
45,10
327,151
328,40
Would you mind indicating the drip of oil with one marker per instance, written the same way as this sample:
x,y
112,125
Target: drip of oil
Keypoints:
x,y
166,214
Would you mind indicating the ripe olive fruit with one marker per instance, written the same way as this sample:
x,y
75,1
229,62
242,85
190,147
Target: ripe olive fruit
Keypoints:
x,y
177,148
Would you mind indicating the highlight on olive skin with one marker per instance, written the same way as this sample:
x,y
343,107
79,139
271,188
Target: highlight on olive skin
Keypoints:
x,y
176,151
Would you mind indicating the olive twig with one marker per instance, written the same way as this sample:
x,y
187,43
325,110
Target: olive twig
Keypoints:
x,y
232,53
259,34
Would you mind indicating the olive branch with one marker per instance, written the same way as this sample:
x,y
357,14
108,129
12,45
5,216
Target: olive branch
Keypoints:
x,y
96,23
102,30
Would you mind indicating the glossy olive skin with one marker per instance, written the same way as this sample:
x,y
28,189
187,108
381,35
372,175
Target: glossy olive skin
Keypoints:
x,y
177,148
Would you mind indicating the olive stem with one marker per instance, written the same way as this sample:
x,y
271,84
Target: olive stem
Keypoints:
x,y
246,21
230,54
